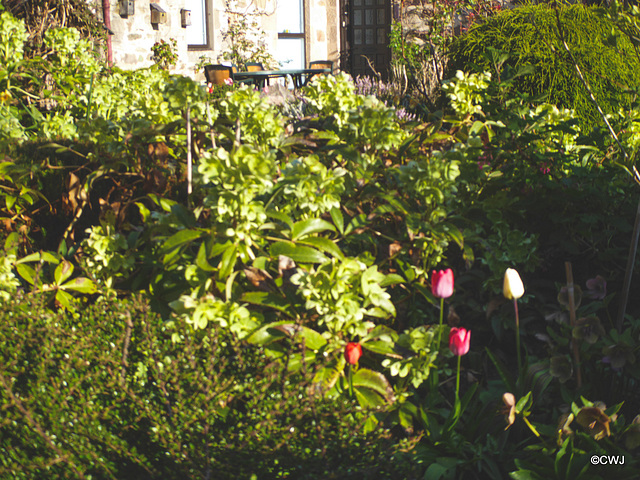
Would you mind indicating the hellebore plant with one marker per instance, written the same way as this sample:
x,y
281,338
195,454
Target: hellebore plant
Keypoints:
x,y
513,290
459,339
352,354
442,287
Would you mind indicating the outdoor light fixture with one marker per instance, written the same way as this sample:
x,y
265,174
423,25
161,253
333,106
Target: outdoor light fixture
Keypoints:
x,y
158,15
185,17
127,7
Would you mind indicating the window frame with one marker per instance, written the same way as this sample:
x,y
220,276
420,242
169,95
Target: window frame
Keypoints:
x,y
208,45
302,35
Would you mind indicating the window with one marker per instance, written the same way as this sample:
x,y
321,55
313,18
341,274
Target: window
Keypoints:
x,y
290,17
198,32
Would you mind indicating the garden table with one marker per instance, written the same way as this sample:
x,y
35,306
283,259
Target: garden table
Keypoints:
x,y
300,76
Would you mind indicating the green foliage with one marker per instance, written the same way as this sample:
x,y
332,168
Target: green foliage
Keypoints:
x,y
528,36
245,39
110,395
419,43
164,53
13,34
298,235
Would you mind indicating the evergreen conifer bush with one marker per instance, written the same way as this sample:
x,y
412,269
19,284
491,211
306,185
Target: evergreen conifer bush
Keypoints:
x,y
529,36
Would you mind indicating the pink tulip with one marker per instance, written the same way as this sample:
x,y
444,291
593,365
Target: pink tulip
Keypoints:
x,y
442,283
459,341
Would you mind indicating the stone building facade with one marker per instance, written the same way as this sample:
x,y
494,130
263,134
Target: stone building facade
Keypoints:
x,y
308,29
354,34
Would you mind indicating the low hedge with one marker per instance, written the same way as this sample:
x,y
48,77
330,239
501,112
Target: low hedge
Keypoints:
x,y
109,394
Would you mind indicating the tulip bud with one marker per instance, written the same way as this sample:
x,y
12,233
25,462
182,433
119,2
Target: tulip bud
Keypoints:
x,y
352,352
459,340
512,288
442,283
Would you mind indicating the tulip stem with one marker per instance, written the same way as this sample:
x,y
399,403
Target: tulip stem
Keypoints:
x,y
458,380
441,317
515,306
350,382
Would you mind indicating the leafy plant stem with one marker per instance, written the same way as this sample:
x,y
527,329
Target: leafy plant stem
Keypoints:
x,y
441,317
350,381
572,320
515,307
458,380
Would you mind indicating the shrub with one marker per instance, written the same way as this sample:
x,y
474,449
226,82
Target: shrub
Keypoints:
x,y
529,37
116,393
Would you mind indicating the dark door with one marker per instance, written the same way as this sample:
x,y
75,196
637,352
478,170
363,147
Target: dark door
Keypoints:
x,y
366,25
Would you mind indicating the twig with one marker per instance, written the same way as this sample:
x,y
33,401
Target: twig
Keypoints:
x,y
189,159
586,86
629,271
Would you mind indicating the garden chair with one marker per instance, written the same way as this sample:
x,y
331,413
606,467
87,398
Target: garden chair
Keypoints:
x,y
253,66
218,74
319,64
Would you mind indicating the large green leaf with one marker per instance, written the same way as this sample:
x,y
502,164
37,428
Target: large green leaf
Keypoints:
x,y
524,475
327,377
324,244
298,253
267,299
180,238
40,257
228,261
391,279
375,381
201,259
307,227
381,347
26,272
184,215
65,300
277,330
356,222
63,271
80,285
284,218
266,334
338,219
312,339
368,398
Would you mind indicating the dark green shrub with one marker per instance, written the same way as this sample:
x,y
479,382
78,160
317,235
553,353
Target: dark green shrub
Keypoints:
x,y
529,36
109,395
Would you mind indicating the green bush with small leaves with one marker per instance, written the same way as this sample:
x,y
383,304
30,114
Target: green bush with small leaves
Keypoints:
x,y
114,392
531,36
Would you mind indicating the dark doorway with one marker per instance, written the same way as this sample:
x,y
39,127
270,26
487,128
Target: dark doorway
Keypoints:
x,y
365,29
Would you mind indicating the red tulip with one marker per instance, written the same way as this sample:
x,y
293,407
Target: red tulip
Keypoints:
x,y
442,283
459,341
353,352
